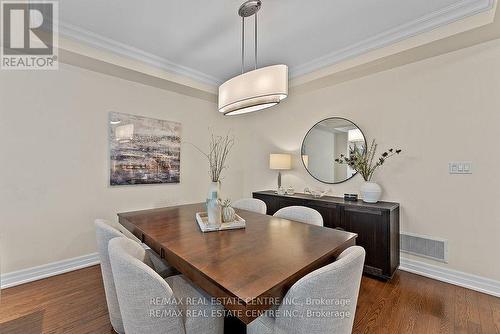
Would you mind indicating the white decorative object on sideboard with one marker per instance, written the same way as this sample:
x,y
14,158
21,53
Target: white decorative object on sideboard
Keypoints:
x,y
370,192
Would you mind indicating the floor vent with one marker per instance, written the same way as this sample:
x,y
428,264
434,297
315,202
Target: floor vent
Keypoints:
x,y
424,246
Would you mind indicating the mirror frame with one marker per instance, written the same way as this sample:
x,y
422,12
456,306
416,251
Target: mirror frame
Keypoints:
x,y
303,140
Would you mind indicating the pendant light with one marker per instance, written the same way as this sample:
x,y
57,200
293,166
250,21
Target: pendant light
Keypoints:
x,y
254,90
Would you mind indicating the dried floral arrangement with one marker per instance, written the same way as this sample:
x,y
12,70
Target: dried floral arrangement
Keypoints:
x,y
364,162
219,148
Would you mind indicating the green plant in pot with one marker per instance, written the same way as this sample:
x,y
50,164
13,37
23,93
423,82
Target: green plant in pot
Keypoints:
x,y
364,162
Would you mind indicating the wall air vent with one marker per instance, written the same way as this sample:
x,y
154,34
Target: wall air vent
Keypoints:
x,y
424,246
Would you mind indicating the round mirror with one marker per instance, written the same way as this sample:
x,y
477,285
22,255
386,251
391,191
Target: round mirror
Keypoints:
x,y
324,143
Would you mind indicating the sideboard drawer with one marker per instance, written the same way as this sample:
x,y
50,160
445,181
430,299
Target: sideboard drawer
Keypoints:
x,y
331,215
369,211
329,211
284,202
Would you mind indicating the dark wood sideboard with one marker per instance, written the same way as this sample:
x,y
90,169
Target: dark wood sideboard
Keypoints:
x,y
377,225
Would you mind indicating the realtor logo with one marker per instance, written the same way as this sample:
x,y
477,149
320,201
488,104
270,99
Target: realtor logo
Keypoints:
x,y
29,35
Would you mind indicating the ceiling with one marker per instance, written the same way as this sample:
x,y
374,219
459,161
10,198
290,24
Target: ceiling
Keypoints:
x,y
201,39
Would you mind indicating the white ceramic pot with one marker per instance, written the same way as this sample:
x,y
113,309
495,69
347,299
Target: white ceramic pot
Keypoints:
x,y
371,192
214,209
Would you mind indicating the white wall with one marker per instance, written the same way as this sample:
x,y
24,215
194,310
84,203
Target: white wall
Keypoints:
x,y
54,152
438,110
54,159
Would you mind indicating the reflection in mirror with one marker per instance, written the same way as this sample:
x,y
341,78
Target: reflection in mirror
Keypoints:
x,y
326,141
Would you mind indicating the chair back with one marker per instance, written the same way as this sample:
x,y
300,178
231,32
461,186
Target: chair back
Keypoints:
x,y
104,233
301,214
251,204
119,227
324,301
147,303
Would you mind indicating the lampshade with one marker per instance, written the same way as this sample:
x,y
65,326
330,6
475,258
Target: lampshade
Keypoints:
x,y
255,90
280,161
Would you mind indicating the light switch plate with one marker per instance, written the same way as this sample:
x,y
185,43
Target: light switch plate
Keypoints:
x,y
460,167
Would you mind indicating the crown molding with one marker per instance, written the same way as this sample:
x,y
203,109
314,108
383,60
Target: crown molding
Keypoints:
x,y
426,23
100,42
440,18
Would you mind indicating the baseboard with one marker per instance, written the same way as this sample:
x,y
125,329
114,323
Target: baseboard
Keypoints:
x,y
451,276
47,270
469,281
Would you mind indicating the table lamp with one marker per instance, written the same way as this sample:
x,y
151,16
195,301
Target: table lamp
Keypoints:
x,y
280,162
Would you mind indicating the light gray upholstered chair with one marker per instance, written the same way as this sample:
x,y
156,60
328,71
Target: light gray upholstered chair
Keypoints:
x,y
105,231
251,204
160,265
153,305
104,234
301,214
336,284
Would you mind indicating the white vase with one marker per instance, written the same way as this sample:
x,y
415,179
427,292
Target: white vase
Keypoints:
x,y
371,192
214,209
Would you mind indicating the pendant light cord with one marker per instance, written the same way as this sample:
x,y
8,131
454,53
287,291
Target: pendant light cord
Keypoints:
x,y
242,44
255,40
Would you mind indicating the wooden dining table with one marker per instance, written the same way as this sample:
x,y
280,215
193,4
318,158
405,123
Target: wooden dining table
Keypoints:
x,y
248,269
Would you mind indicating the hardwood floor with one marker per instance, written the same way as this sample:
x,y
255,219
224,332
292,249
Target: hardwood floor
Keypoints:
x,y
75,303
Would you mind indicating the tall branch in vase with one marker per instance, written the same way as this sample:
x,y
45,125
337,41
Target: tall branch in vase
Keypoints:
x,y
363,161
219,148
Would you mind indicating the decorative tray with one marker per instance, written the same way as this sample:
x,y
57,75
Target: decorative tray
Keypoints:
x,y
202,220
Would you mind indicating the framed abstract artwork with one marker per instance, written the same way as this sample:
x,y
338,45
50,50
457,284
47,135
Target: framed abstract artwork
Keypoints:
x,y
143,150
